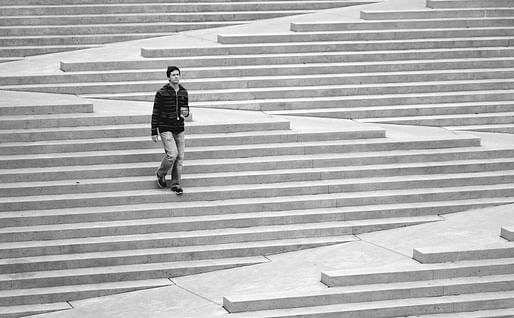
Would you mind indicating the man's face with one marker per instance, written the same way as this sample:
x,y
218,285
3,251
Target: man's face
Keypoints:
x,y
174,77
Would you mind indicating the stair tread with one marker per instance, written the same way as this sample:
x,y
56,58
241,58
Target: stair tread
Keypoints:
x,y
132,268
31,309
178,220
308,157
351,209
496,114
342,290
257,186
352,307
220,231
178,249
349,142
146,283
269,172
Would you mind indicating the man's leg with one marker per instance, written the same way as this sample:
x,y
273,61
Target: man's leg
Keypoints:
x,y
171,153
176,172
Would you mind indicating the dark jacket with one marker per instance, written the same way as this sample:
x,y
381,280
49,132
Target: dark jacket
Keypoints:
x,y
166,109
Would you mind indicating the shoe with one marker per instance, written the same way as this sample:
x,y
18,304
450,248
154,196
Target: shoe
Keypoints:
x,y
161,181
177,189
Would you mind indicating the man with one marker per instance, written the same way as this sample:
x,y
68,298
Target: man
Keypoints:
x,y
171,104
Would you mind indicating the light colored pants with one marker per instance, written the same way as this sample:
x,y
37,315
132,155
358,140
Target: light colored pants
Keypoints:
x,y
174,157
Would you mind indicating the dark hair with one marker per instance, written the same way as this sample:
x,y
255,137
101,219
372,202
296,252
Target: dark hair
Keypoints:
x,y
171,69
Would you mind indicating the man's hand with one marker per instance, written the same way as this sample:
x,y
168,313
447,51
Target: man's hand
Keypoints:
x,y
155,138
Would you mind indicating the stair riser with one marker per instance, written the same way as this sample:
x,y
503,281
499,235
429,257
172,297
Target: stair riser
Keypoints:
x,y
170,7
348,79
436,14
329,46
15,52
363,36
113,277
371,100
107,215
252,179
165,256
179,227
141,18
45,109
174,241
331,57
279,70
294,163
74,40
366,296
28,123
93,30
426,257
492,129
155,155
111,145
143,131
481,120
468,4
394,25
311,92
166,196
32,123
64,296
420,275
403,112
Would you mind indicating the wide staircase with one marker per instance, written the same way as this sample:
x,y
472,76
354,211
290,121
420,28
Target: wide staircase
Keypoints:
x,y
80,214
450,282
447,65
33,27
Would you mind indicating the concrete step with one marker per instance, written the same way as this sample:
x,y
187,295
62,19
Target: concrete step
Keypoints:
x,y
18,52
435,4
152,240
192,74
493,313
98,119
193,140
155,7
430,272
402,111
280,208
428,255
158,17
448,120
117,183
391,308
507,232
353,187
62,294
16,109
73,39
94,30
401,24
436,14
167,225
235,151
27,310
362,35
326,46
368,293
382,158
165,254
203,97
248,83
501,128
67,277
382,56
